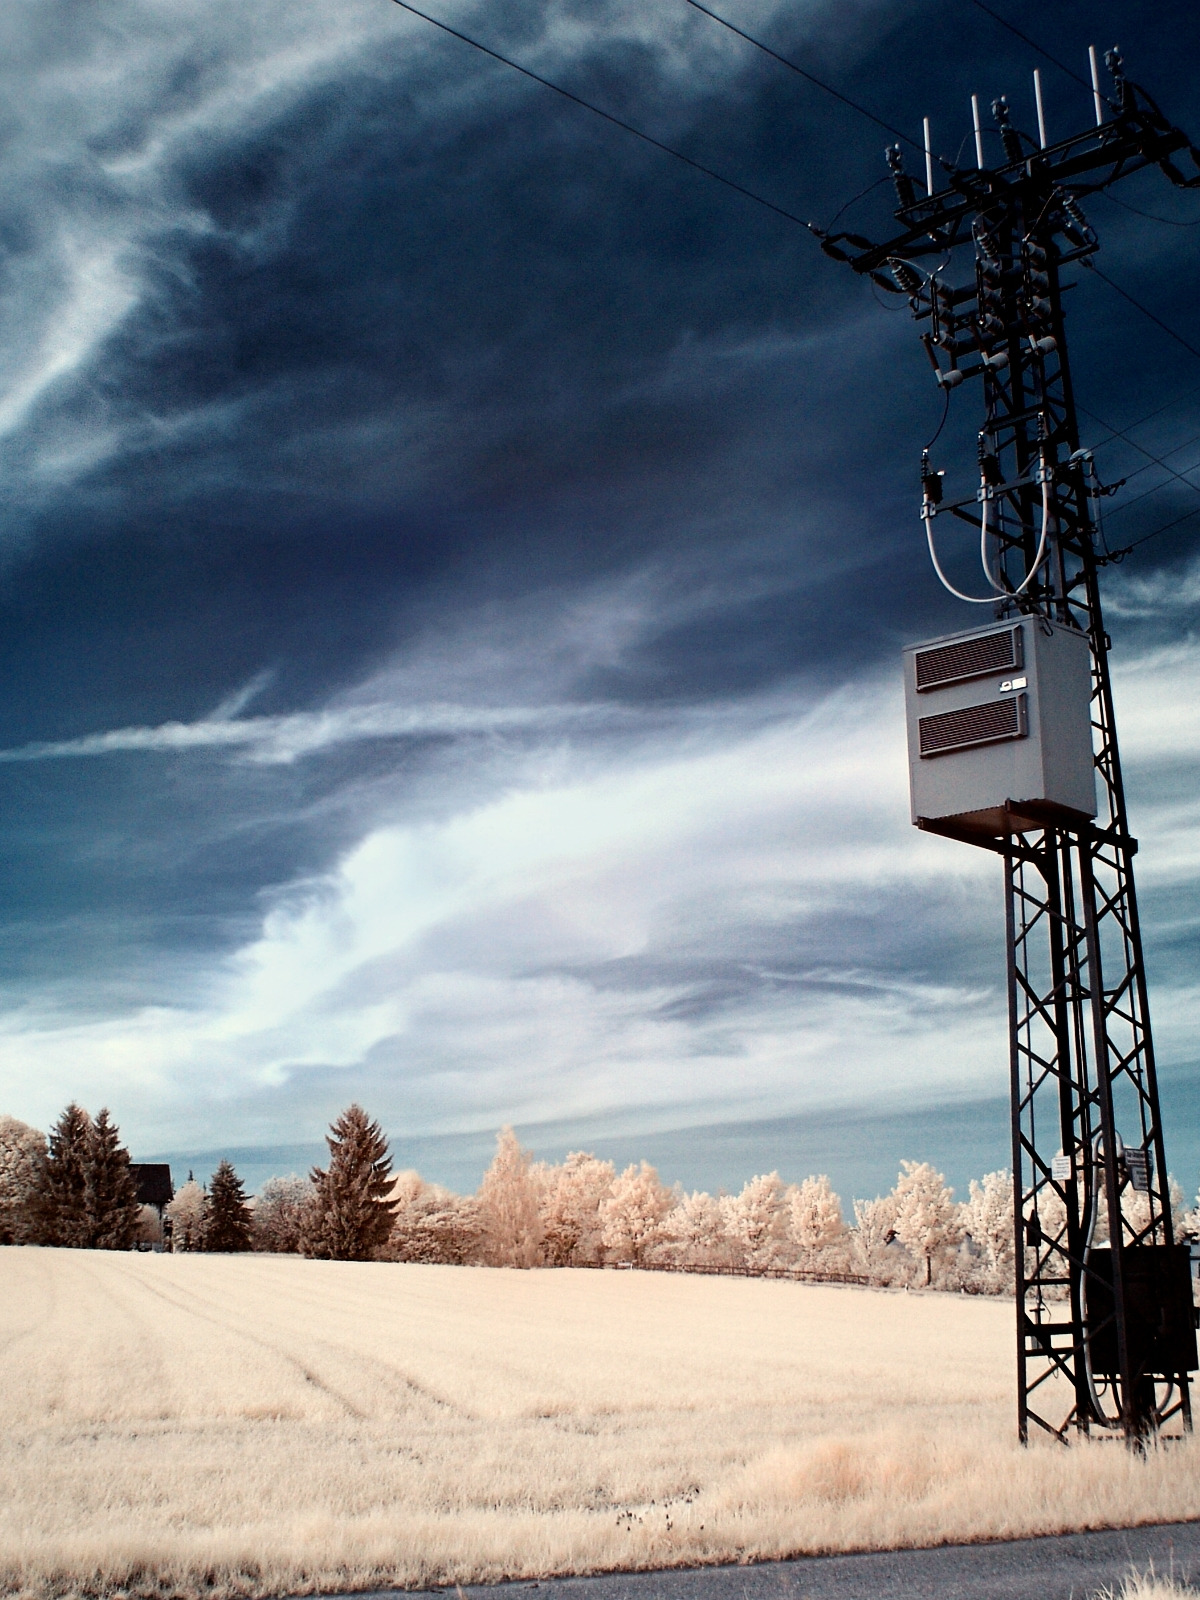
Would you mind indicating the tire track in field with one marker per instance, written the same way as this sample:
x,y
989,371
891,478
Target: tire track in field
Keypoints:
x,y
89,1265
200,1308
440,1405
47,1282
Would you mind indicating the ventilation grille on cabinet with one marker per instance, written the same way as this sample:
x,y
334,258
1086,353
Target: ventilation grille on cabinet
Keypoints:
x,y
968,658
983,724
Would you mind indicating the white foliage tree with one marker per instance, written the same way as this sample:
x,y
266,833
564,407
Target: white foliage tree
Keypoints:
x,y
693,1232
280,1214
875,1250
634,1213
572,1196
149,1226
187,1213
22,1164
508,1207
433,1224
986,1217
1135,1207
819,1235
926,1216
756,1222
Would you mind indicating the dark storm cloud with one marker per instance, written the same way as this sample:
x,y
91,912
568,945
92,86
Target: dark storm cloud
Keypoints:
x,y
495,455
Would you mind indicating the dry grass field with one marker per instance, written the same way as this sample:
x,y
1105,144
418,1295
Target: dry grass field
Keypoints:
x,y
237,1425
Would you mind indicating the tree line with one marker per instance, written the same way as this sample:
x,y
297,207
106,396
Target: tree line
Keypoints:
x,y
75,1189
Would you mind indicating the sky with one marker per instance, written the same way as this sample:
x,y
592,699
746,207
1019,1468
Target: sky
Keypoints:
x,y
455,557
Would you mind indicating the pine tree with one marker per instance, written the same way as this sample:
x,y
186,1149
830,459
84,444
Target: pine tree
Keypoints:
x,y
352,1210
65,1180
227,1216
110,1194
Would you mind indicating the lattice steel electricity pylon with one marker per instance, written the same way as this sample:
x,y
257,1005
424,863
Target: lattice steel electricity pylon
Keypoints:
x,y
1105,1328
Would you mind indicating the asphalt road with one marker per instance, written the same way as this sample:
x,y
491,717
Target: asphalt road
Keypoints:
x,y
1068,1567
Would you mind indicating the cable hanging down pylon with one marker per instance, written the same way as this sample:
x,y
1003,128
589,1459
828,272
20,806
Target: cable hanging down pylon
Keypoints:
x,y
1107,1327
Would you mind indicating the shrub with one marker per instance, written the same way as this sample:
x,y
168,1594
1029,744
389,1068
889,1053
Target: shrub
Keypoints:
x,y
280,1215
22,1181
434,1225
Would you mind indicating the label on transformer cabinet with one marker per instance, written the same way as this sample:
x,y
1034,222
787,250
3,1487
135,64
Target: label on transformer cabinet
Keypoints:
x,y
1137,1165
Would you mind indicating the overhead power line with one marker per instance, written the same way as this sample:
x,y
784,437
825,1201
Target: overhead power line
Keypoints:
x,y
617,122
1145,310
1120,433
1150,216
1188,394
818,83
1033,44
1117,556
1158,488
782,211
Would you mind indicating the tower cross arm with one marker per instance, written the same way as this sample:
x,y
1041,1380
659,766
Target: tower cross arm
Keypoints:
x,y
1083,164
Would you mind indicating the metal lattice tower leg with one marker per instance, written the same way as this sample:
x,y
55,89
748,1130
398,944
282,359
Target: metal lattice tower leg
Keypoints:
x,y
1081,1051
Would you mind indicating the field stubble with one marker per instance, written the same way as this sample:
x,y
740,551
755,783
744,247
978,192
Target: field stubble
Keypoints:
x,y
251,1425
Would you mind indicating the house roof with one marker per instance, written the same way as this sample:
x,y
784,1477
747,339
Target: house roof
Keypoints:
x,y
153,1180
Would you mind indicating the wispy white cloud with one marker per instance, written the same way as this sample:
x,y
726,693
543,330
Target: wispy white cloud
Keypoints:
x,y
1157,696
234,704
303,733
131,100
719,908
544,950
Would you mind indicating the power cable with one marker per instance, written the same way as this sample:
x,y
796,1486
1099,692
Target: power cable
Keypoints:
x,y
1146,493
807,76
1118,433
1117,556
1145,310
1136,472
1158,487
862,193
1170,222
617,122
1188,394
938,430
1033,44
790,216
